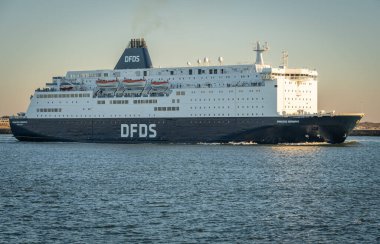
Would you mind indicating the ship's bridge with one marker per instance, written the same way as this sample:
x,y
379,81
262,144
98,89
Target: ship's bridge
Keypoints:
x,y
292,73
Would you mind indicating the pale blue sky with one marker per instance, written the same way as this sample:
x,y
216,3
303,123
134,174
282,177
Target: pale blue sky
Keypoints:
x,y
340,38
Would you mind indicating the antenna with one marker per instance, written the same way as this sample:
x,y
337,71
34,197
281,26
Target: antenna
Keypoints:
x,y
259,52
285,59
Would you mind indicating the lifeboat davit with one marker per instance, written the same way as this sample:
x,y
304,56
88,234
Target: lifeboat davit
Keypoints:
x,y
159,84
134,83
107,83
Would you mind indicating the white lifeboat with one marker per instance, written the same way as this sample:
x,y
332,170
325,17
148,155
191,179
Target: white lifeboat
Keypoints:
x,y
134,83
65,86
107,83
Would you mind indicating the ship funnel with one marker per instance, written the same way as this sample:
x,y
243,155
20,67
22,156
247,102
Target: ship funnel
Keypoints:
x,y
259,52
135,56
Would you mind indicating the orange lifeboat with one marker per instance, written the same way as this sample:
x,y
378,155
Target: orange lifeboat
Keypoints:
x,y
159,84
107,83
134,83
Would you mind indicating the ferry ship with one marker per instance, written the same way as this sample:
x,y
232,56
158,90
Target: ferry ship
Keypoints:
x,y
136,103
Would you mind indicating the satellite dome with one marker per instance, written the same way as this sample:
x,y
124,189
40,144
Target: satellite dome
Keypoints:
x,y
220,59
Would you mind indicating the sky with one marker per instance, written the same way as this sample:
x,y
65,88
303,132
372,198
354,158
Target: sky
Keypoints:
x,y
338,38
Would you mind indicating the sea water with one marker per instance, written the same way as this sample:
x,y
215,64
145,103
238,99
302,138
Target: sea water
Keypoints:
x,y
231,193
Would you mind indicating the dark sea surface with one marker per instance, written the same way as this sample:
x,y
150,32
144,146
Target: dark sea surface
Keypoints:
x,y
112,193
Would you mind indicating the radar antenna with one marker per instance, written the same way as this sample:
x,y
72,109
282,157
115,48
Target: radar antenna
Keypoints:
x,y
259,52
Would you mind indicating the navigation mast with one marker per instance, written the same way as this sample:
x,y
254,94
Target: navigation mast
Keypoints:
x,y
285,59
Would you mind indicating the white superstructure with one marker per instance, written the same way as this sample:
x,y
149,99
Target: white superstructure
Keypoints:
x,y
255,90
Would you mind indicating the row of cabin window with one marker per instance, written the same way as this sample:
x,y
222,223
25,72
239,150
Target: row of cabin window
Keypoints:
x,y
215,107
49,110
242,114
166,108
228,84
62,95
87,75
298,107
297,91
303,99
126,101
144,101
202,71
119,102
295,75
221,91
145,73
228,99
296,83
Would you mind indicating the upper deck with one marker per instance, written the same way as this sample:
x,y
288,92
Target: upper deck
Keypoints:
x,y
281,90
182,77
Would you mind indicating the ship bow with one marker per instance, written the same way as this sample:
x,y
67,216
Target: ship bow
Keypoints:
x,y
340,127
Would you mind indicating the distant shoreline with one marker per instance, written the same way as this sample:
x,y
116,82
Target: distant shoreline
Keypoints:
x,y
365,133
366,129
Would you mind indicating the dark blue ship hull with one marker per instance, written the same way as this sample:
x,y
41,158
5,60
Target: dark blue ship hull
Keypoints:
x,y
266,130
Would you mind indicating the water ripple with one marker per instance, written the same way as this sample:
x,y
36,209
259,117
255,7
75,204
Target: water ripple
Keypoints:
x,y
293,193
